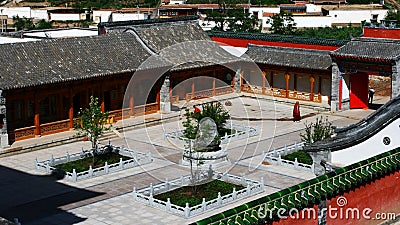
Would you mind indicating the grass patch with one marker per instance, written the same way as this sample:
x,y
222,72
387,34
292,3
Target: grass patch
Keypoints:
x,y
83,164
208,191
302,157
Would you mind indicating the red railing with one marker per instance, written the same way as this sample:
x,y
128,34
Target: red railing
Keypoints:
x,y
174,99
209,93
145,109
297,95
54,127
22,133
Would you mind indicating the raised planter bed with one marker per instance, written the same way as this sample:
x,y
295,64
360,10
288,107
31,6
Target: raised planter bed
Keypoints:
x,y
146,195
275,157
128,159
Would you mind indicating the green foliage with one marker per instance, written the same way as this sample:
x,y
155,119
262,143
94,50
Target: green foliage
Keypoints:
x,y
393,15
43,24
215,111
318,131
27,24
190,130
302,157
83,164
23,23
282,23
208,191
91,122
330,32
235,20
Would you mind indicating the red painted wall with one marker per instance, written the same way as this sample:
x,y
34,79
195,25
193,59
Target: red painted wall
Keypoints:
x,y
237,42
381,196
359,91
381,33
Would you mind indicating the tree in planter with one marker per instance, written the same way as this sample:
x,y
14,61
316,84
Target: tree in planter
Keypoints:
x,y
91,122
318,131
215,111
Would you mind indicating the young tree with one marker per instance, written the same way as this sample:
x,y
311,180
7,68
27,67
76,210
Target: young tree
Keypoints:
x,y
234,20
91,122
43,24
318,131
282,23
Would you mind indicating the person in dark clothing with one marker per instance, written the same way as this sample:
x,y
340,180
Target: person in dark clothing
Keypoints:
x,y
371,93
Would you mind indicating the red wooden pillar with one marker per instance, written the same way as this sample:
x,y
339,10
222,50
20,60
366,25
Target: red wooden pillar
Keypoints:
x,y
312,80
71,110
158,99
192,87
241,78
264,78
170,91
102,98
36,117
295,82
131,105
287,77
213,86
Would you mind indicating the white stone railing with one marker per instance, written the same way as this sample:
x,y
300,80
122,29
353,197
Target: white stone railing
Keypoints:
x,y
145,196
241,132
137,158
274,157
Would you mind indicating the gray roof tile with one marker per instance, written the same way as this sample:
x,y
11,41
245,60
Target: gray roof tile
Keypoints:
x,y
57,60
290,57
370,49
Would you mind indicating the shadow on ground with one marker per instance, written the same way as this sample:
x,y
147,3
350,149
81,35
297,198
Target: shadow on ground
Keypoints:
x,y
32,197
374,106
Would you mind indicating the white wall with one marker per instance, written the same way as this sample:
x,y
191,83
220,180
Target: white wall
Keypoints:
x,y
355,16
176,2
65,16
371,147
261,10
311,8
312,21
127,16
17,11
346,87
39,14
305,21
101,16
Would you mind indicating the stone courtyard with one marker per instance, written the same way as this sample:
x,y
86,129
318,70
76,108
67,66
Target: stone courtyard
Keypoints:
x,y
35,198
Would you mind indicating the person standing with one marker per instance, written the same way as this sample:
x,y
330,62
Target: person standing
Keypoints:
x,y
371,93
296,112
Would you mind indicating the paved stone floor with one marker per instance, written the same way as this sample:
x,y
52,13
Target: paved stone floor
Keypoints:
x,y
36,198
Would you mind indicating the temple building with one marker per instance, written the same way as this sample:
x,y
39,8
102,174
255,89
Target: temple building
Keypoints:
x,y
44,84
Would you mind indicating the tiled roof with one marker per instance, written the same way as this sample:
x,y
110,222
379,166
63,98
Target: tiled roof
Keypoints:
x,y
278,38
160,36
361,131
58,60
290,57
364,48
